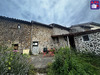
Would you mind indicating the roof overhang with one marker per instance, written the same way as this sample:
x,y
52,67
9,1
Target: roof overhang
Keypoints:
x,y
78,33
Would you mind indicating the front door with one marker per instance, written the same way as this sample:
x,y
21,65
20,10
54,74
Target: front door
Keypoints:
x,y
35,49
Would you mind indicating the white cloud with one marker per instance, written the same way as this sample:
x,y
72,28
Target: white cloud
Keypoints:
x,y
65,12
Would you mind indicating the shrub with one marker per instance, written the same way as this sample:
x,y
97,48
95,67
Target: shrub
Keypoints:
x,y
67,63
14,63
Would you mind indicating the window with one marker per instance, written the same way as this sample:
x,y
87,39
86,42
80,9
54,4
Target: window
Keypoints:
x,y
85,38
65,38
15,46
18,26
56,39
35,43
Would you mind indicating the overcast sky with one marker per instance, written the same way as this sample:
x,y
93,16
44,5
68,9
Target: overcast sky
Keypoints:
x,y
64,12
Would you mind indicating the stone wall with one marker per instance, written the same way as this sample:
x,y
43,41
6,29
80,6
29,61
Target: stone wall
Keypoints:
x,y
28,32
77,29
63,42
93,45
11,34
59,31
42,34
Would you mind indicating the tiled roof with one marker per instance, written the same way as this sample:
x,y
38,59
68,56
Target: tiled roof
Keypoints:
x,y
86,25
23,21
14,19
78,33
59,26
41,24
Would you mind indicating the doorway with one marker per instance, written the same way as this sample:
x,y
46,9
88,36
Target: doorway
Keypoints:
x,y
72,42
35,48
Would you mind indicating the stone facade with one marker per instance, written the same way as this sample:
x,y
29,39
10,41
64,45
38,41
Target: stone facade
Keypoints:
x,y
35,36
63,42
59,31
77,29
42,35
60,41
26,35
92,45
10,33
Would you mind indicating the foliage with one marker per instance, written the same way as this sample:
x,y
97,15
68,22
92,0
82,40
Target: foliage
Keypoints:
x,y
92,59
53,50
14,63
67,63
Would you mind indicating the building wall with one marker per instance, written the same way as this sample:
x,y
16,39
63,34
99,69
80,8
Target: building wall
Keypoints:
x,y
63,42
59,31
10,34
42,34
76,29
93,45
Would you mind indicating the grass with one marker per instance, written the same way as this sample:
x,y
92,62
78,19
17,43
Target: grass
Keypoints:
x,y
92,59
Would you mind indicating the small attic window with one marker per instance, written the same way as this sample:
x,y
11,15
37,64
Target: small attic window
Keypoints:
x,y
56,39
18,26
85,38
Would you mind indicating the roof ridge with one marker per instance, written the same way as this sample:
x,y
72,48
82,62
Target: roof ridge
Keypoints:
x,y
84,23
57,25
39,23
4,17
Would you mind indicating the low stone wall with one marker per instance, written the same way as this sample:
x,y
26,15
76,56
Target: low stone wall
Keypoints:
x,y
93,45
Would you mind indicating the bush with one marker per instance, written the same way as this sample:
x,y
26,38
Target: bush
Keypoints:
x,y
67,63
14,63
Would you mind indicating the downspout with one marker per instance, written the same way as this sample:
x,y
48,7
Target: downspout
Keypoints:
x,y
31,38
68,41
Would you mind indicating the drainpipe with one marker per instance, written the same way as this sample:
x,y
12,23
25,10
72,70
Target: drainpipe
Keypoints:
x,y
68,41
31,37
19,39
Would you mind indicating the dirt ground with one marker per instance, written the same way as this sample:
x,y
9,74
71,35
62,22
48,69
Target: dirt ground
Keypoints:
x,y
41,62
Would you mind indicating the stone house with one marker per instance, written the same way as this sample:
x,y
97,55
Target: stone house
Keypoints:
x,y
33,36
41,36
84,41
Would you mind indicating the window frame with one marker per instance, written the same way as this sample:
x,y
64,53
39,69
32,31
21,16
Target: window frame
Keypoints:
x,y
56,39
85,37
35,43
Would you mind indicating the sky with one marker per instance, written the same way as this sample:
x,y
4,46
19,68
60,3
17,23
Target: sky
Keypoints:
x,y
63,12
